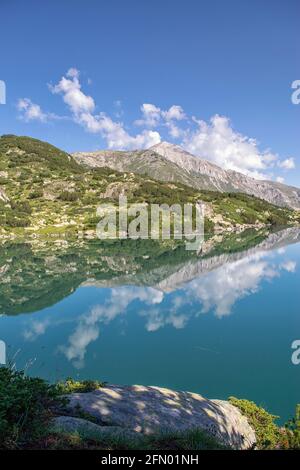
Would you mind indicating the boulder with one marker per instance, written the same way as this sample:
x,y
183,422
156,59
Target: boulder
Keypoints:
x,y
150,410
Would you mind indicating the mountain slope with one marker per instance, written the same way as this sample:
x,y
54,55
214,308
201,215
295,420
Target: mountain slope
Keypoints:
x,y
168,162
43,190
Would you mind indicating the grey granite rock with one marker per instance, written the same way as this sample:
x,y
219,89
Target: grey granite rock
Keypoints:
x,y
149,410
69,424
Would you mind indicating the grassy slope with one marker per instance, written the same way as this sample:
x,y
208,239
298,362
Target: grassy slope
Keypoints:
x,y
48,191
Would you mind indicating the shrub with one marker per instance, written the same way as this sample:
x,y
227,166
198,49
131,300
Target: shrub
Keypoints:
x,y
25,407
267,433
293,431
73,386
37,193
68,196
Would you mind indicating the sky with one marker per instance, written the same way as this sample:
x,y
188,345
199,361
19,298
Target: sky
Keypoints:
x,y
213,76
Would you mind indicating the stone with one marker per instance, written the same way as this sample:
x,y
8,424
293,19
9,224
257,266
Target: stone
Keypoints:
x,y
90,430
150,410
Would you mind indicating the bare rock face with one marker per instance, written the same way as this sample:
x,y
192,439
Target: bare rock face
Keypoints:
x,y
3,196
149,410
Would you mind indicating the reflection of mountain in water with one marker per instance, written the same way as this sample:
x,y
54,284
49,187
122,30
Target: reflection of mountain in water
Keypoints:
x,y
34,276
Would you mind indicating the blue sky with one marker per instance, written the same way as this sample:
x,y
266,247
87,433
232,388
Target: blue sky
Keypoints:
x,y
214,76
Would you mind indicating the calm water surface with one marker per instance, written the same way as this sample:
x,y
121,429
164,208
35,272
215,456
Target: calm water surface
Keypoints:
x,y
220,325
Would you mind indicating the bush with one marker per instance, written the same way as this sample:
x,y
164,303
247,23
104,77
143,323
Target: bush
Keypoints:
x,y
37,193
73,386
269,436
267,433
25,407
293,431
68,196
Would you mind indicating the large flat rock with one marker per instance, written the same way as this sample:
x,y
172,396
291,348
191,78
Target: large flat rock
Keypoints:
x,y
150,410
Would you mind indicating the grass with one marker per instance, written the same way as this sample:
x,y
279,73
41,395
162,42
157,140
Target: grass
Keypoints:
x,y
189,440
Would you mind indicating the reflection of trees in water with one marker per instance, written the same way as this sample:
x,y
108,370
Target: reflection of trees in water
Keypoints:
x,y
35,276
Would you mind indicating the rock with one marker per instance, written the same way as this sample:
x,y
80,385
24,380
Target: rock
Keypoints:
x,y
3,196
150,410
69,424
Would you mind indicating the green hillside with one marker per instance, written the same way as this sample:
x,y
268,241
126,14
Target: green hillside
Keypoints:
x,y
44,191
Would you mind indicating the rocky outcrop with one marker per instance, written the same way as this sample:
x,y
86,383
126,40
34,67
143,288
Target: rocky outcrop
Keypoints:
x,y
149,410
3,196
168,162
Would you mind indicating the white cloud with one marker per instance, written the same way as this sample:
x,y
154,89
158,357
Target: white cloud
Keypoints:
x,y
219,142
153,116
70,88
287,164
280,179
175,112
83,107
30,111
215,140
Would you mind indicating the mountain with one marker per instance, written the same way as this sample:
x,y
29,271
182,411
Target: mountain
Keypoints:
x,y
45,191
168,162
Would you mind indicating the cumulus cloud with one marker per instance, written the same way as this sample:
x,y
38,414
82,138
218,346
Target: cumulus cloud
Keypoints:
x,y
217,141
83,108
280,179
70,88
153,116
29,111
287,164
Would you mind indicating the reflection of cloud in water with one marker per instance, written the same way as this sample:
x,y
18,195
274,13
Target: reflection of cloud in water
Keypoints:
x,y
36,329
216,290
289,266
88,327
220,289
156,318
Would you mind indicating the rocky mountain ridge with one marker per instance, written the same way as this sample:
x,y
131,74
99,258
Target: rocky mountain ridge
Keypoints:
x,y
168,162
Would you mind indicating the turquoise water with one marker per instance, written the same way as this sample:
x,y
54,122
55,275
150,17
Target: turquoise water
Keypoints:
x,y
218,325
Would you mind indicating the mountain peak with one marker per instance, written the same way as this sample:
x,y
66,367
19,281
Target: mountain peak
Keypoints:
x,y
164,144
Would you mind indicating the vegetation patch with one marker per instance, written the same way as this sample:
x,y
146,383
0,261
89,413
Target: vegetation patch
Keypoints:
x,y
269,435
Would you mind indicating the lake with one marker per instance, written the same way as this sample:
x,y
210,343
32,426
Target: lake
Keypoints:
x,y
220,323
